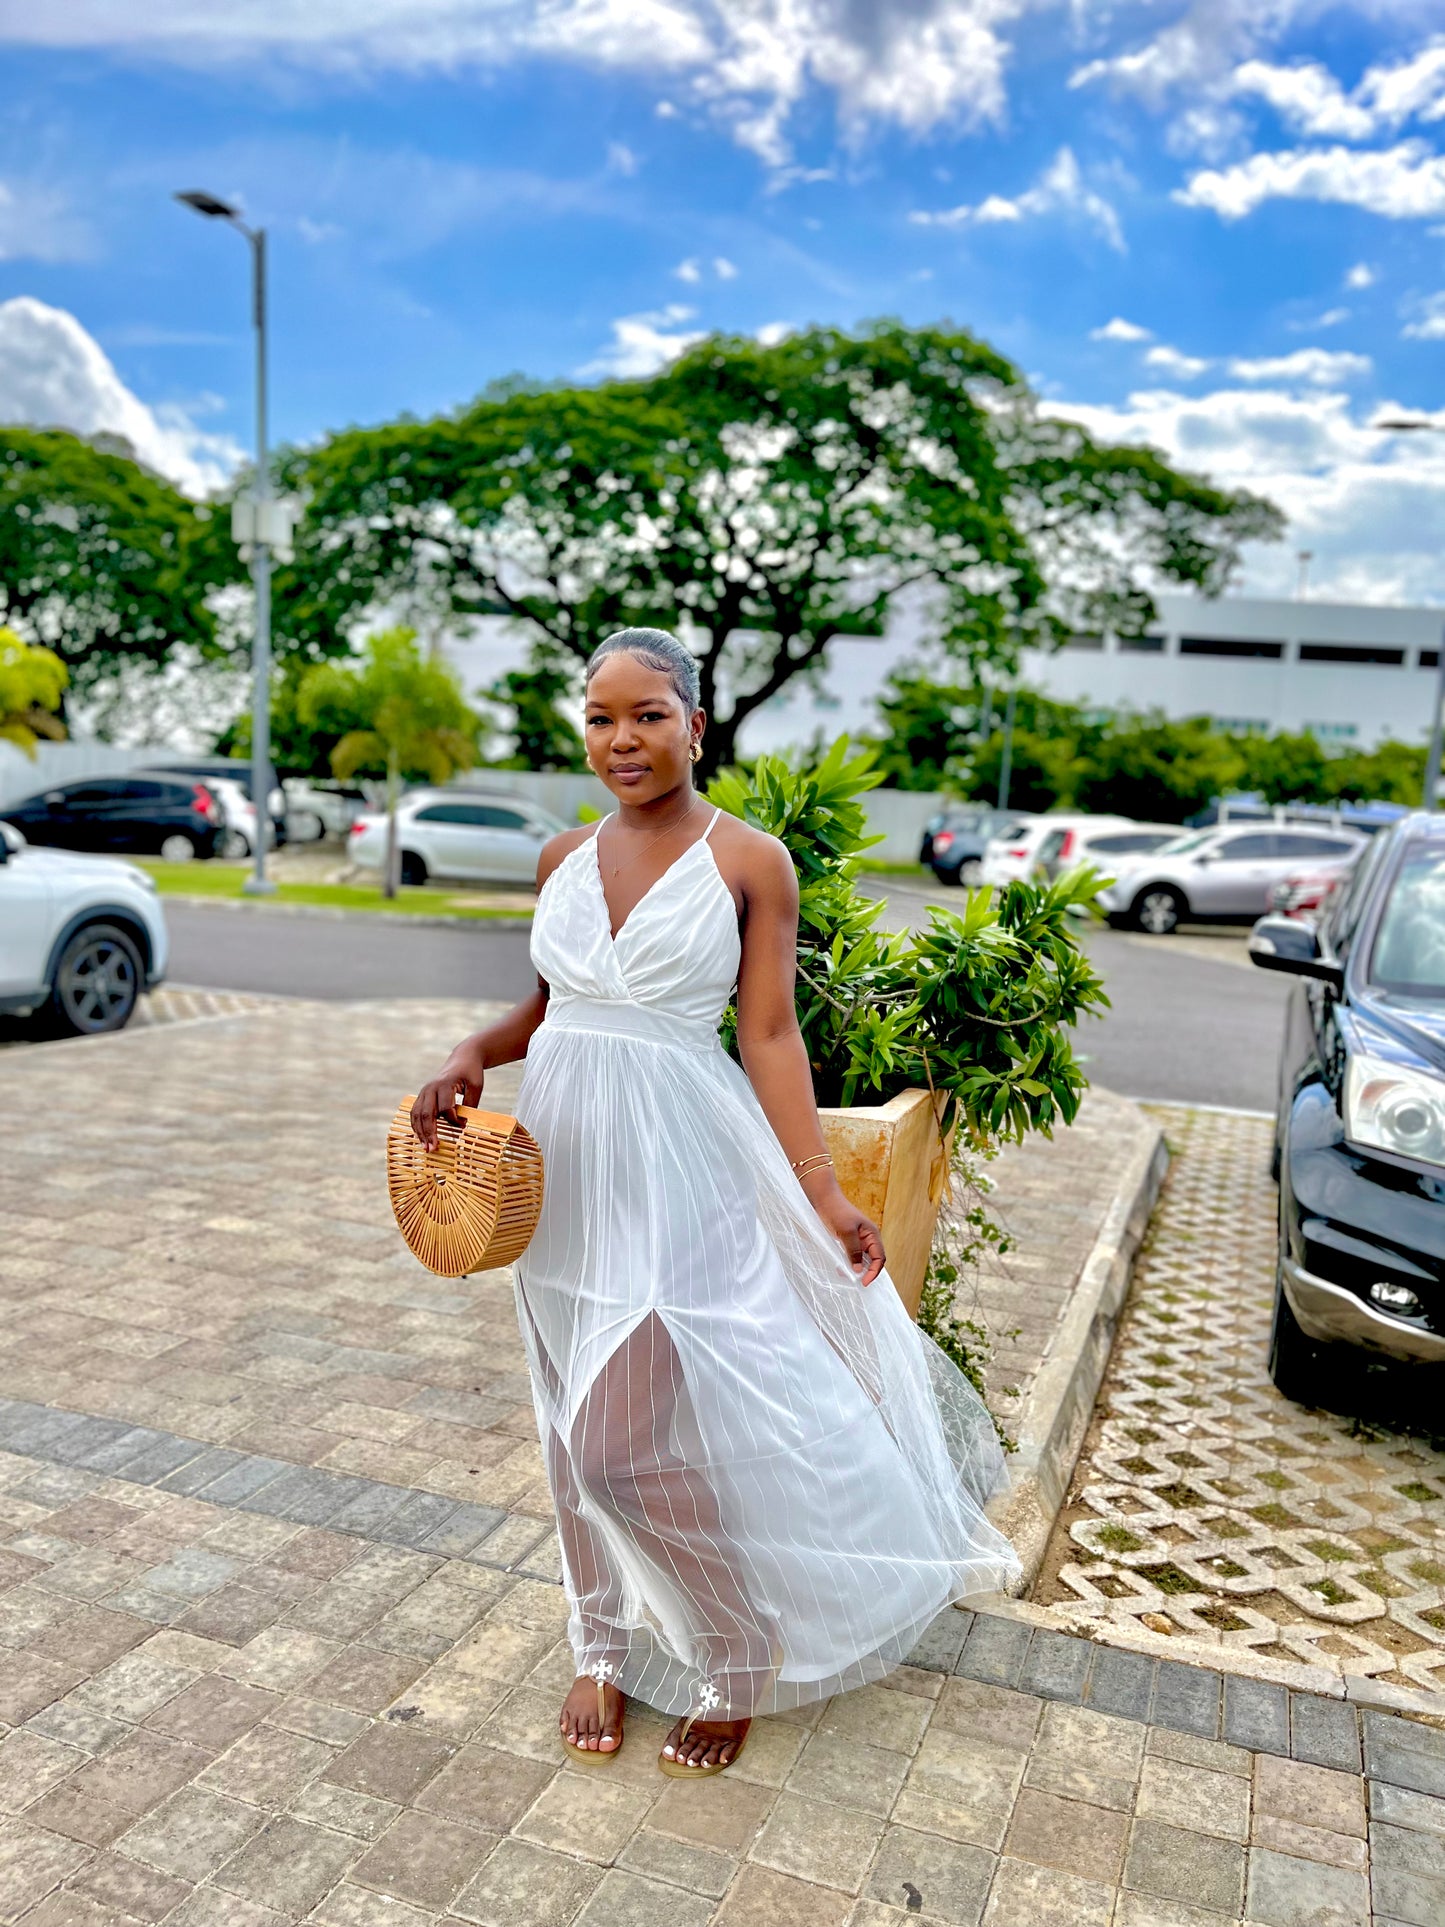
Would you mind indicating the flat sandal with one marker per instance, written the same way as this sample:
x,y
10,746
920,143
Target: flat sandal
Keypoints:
x,y
675,1770
594,1756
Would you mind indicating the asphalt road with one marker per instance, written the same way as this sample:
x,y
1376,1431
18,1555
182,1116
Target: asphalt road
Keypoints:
x,y
1191,1021
343,957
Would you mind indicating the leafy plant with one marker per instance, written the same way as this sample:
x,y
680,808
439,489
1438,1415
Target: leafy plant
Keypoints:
x,y
976,1007
32,682
966,1235
394,715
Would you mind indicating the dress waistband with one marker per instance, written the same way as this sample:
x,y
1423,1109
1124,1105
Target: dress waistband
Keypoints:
x,y
621,1017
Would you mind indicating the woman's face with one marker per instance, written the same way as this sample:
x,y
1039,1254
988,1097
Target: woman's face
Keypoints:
x,y
638,734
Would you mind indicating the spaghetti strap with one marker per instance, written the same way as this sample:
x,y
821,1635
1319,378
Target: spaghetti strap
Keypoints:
x,y
711,827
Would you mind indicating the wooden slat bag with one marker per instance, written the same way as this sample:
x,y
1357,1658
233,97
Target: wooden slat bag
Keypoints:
x,y
473,1203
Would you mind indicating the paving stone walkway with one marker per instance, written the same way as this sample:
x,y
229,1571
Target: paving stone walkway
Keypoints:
x,y
279,1639
1208,1506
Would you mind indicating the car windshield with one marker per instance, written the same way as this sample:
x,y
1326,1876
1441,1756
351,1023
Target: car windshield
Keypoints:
x,y
1409,952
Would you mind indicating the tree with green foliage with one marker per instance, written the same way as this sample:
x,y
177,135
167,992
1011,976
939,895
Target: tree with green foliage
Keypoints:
x,y
394,714
100,559
542,736
32,686
763,500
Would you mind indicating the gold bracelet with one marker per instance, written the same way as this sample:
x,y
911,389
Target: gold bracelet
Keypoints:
x,y
801,1166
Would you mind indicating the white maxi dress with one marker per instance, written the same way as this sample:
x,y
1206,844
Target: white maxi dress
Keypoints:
x,y
768,1480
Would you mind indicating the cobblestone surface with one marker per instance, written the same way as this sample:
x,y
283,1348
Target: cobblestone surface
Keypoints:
x,y
1208,1506
217,1712
171,1004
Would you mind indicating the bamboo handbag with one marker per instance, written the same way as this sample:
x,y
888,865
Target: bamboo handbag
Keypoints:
x,y
473,1203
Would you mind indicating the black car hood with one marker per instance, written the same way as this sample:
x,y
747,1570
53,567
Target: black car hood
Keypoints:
x,y
1415,1026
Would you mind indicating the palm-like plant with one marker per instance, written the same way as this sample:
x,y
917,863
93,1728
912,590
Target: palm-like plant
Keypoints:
x,y
397,715
32,681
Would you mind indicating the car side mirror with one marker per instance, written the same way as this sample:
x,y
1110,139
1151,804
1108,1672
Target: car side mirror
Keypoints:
x,y
1286,943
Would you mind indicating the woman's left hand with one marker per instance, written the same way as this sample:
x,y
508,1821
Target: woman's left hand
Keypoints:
x,y
859,1235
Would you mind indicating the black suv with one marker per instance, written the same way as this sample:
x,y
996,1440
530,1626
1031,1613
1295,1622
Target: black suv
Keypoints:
x,y
174,817
1360,1139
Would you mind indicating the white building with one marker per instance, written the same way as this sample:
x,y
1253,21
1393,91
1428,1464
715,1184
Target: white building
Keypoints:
x,y
1350,672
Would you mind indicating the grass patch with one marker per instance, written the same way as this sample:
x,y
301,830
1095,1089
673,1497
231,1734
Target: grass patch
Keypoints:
x,y
876,866
1118,1538
1332,1594
223,882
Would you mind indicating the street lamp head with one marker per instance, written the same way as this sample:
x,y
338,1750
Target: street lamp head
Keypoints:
x,y
209,205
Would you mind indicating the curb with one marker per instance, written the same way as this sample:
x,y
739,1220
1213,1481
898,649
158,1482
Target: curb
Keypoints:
x,y
1062,1400
326,913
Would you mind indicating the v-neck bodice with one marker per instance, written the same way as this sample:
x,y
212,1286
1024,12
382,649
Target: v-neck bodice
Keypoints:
x,y
676,955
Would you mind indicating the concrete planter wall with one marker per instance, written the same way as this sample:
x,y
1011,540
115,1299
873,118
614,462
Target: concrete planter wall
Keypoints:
x,y
892,1164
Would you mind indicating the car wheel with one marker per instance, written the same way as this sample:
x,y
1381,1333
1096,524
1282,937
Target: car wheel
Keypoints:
x,y
233,845
304,826
97,981
413,867
970,874
178,848
1157,910
950,877
1304,1370
1274,1161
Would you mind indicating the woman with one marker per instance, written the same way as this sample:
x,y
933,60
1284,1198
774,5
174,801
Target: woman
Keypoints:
x,y
767,1480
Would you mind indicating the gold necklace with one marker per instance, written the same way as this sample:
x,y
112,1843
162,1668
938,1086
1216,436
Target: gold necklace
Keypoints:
x,y
617,867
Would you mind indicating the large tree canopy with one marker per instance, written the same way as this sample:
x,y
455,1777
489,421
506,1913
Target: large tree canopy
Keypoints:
x,y
100,559
764,499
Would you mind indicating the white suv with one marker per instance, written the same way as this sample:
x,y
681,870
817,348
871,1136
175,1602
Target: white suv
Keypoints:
x,y
80,936
1224,874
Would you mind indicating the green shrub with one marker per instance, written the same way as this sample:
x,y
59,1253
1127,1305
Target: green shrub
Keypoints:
x,y
976,1007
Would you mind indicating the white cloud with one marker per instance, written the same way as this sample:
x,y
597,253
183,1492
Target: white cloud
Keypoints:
x,y
772,332
723,268
1429,324
643,343
1120,330
1370,506
1060,189
689,270
1320,367
1412,89
914,64
1331,318
693,270
37,223
1307,96
1362,275
53,374
1197,51
1402,183
1170,361
621,159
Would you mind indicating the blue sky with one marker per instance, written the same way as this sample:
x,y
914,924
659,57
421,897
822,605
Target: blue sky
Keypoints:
x,y
1217,226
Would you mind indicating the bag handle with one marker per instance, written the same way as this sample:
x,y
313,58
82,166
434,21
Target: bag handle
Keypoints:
x,y
496,1121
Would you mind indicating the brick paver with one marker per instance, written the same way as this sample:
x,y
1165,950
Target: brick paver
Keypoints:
x,y
279,1640
1208,1506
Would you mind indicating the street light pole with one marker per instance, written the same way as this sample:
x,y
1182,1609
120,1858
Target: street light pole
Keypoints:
x,y
258,883
1412,425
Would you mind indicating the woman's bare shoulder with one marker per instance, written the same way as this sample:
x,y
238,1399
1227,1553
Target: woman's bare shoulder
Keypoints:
x,y
560,846
752,859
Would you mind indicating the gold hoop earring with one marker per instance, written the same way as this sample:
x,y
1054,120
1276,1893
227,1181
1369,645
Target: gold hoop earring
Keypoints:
x,y
695,753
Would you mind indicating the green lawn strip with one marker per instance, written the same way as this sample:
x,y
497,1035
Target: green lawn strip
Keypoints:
x,y
224,881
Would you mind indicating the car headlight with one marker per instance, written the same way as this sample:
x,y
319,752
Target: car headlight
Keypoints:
x,y
1391,1107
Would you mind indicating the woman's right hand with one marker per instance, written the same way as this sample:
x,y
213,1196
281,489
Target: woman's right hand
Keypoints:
x,y
461,1078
